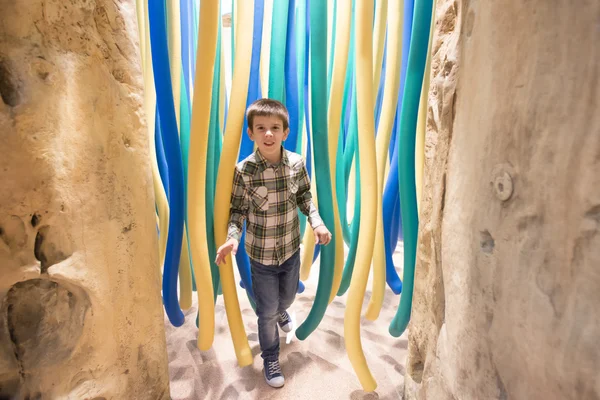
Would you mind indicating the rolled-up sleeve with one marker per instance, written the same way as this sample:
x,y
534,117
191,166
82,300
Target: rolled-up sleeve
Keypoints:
x,y
304,197
238,209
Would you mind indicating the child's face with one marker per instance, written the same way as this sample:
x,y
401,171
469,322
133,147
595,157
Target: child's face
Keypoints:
x,y
268,133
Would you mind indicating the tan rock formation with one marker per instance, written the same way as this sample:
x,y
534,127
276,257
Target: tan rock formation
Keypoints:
x,y
80,308
508,282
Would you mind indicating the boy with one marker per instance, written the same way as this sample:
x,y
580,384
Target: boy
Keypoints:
x,y
268,186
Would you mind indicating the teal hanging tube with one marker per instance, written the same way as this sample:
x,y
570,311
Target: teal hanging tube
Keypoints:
x,y
278,44
406,165
318,70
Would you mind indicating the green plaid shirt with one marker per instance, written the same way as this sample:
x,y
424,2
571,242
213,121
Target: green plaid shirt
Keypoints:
x,y
268,196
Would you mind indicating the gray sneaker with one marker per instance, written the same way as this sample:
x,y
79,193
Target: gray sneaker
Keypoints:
x,y
285,322
273,374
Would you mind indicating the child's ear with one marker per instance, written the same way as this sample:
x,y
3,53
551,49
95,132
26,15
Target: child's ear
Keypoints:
x,y
250,133
286,133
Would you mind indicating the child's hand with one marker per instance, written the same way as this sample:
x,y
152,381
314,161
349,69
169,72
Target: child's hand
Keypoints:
x,y
322,235
230,246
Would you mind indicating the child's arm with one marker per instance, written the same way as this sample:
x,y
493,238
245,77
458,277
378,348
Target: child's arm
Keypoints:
x,y
308,208
238,208
304,198
237,213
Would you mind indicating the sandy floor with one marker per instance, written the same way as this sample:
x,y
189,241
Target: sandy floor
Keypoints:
x,y
316,368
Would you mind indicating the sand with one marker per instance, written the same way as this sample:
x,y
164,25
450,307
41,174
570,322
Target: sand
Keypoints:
x,y
316,368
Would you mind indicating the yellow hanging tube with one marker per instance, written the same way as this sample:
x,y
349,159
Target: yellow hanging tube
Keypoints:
x,y
368,193
235,119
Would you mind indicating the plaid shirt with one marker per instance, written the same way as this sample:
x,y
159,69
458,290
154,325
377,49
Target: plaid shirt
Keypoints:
x,y
268,196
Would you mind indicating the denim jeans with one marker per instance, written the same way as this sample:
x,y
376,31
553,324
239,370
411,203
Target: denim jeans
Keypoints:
x,y
274,291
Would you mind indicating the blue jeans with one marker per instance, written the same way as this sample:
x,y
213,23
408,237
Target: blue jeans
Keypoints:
x,y
274,291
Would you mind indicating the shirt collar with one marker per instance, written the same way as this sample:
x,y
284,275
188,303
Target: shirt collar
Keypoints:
x,y
263,164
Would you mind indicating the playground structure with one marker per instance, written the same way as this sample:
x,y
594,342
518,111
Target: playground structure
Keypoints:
x,y
503,153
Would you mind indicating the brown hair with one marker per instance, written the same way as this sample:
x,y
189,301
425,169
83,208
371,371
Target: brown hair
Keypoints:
x,y
267,108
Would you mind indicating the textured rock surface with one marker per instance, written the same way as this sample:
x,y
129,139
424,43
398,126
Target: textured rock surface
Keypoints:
x,y
80,309
508,285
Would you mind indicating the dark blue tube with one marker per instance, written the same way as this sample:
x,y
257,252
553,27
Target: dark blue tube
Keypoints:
x,y
390,201
247,146
396,231
396,234
225,112
306,113
163,169
291,86
306,88
243,262
347,110
168,123
291,81
380,90
406,35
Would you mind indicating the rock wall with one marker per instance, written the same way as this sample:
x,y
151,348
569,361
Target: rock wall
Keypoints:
x,y
508,280
80,307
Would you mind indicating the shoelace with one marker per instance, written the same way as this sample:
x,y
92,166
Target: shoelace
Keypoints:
x,y
283,317
274,367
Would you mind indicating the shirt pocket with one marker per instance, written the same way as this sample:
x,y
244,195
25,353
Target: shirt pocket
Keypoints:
x,y
259,197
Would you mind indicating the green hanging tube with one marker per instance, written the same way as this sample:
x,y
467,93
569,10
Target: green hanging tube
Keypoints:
x,y
342,174
184,139
349,266
212,167
300,60
318,49
406,157
331,49
278,42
